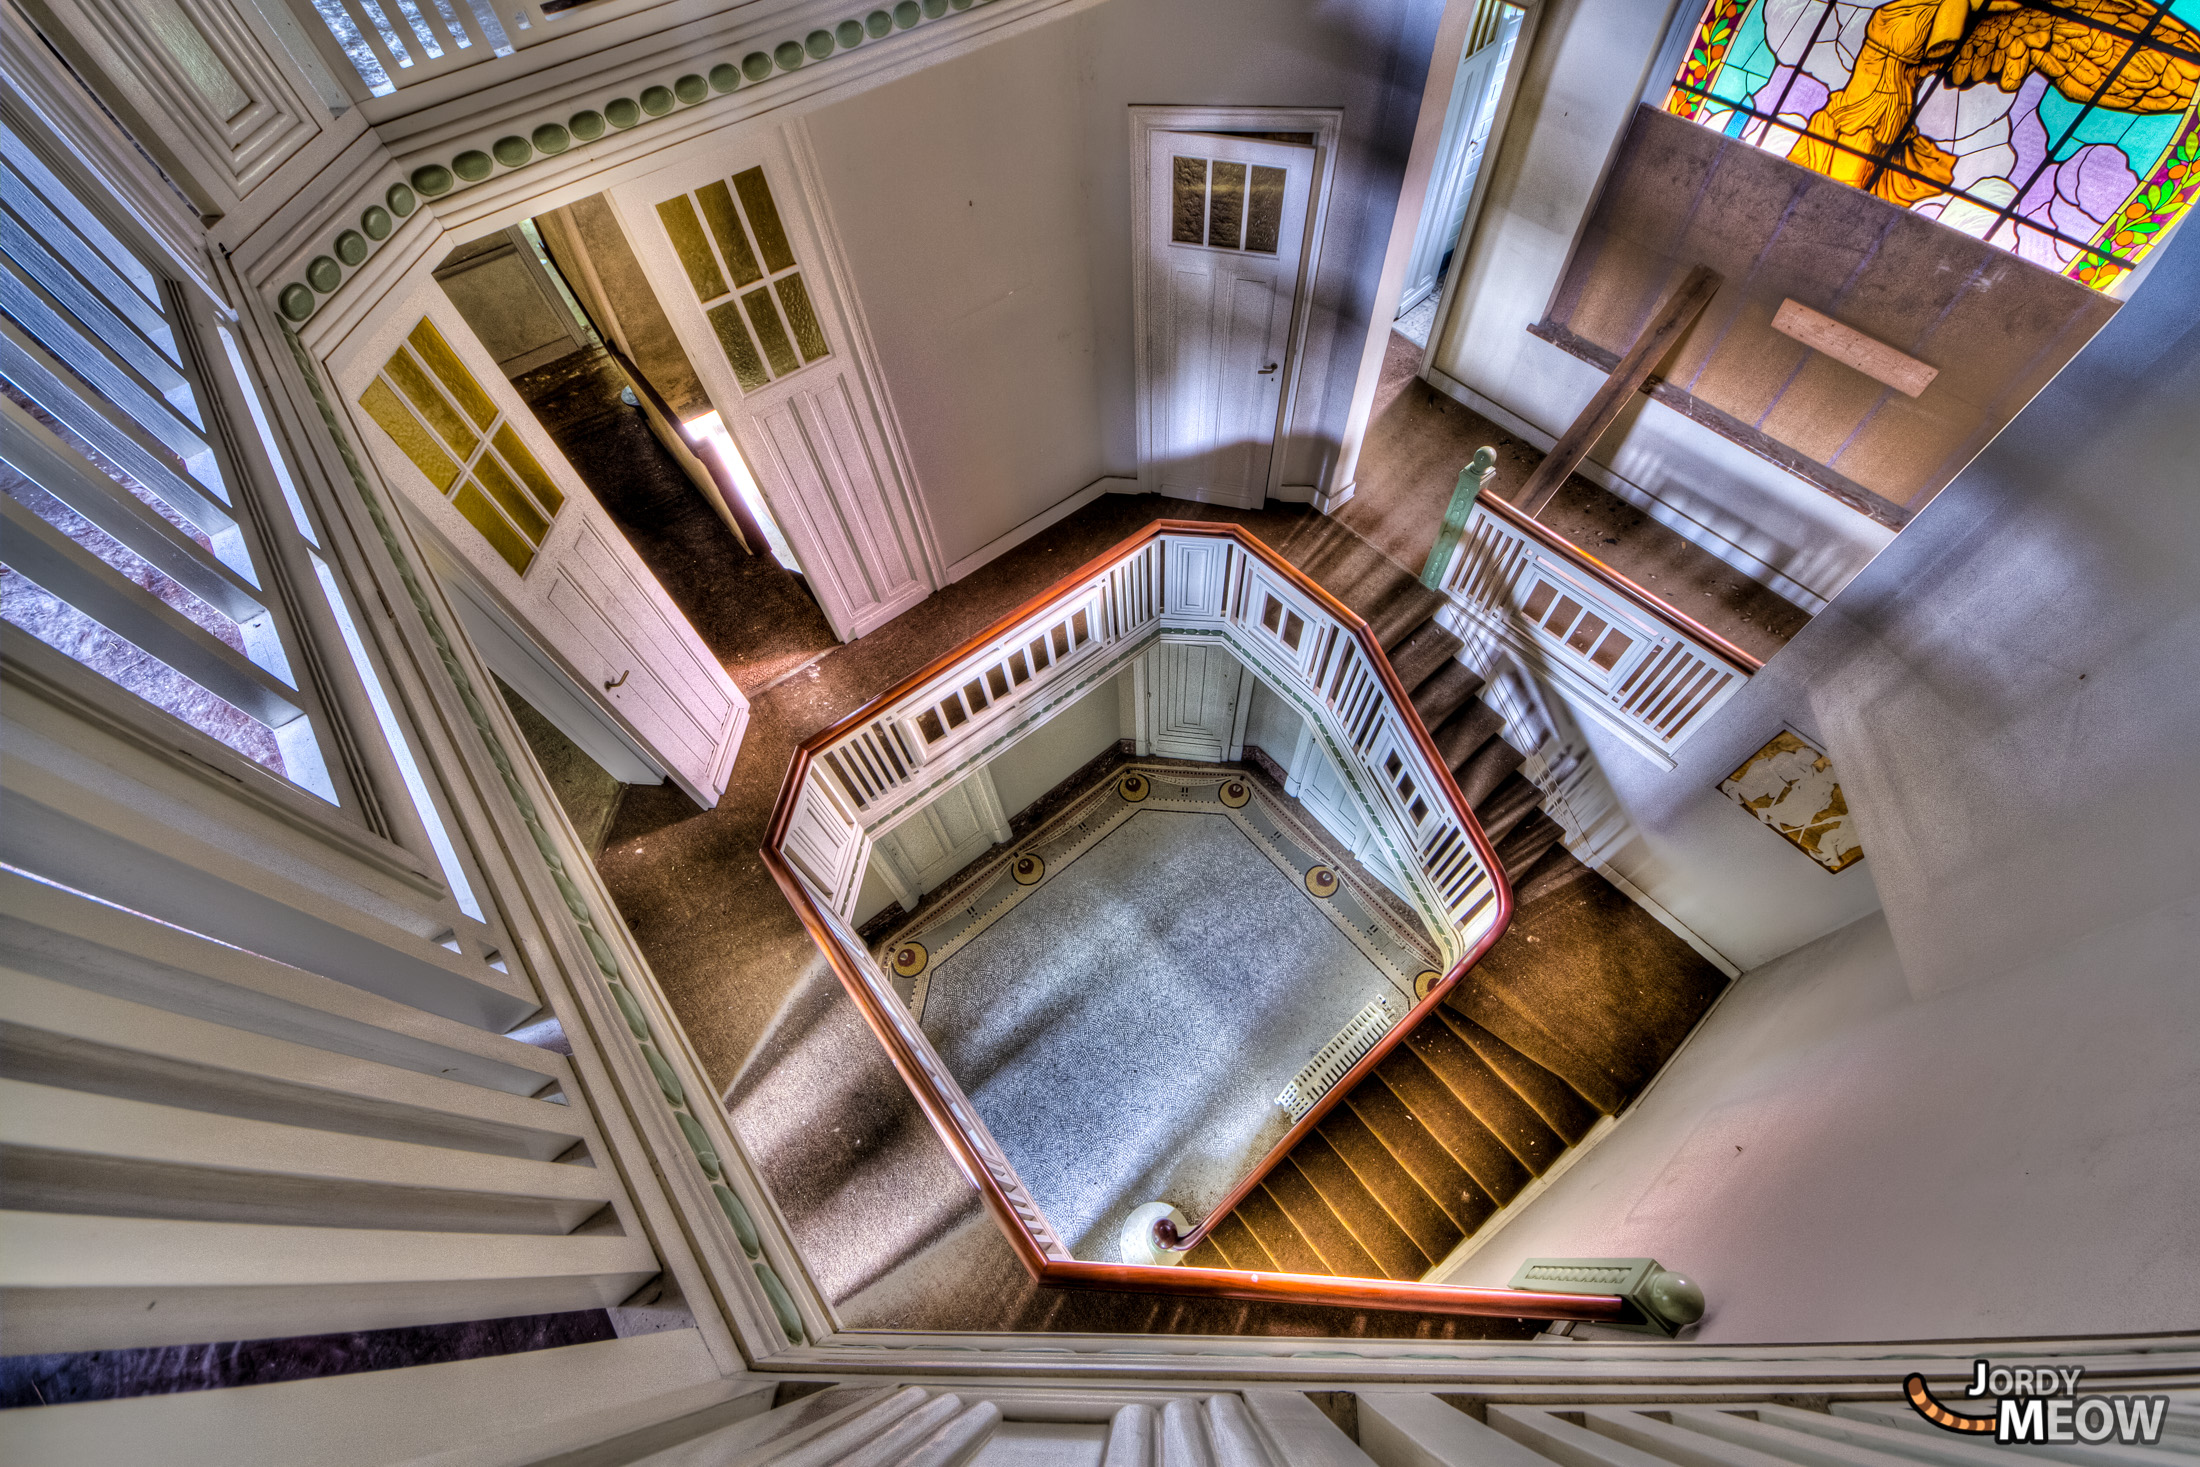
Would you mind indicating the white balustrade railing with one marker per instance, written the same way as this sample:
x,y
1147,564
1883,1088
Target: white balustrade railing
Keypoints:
x,y
391,44
1618,653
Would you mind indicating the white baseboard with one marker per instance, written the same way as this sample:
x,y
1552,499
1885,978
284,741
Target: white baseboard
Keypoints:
x,y
1121,485
1040,521
1763,572
1296,494
1332,502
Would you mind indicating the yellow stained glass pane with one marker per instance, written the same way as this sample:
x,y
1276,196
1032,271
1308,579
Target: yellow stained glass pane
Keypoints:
x,y
434,408
802,321
771,235
748,367
770,334
444,362
510,498
530,471
1226,206
1264,210
417,443
483,516
725,226
686,233
1188,201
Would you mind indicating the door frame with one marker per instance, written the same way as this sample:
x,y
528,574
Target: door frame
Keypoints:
x,y
1325,123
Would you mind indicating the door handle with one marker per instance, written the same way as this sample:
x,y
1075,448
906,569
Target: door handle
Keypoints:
x,y
620,682
1264,371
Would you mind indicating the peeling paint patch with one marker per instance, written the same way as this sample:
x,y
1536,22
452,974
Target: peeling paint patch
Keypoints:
x,y
1790,786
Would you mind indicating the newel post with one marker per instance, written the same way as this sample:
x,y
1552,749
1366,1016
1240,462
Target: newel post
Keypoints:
x,y
1473,479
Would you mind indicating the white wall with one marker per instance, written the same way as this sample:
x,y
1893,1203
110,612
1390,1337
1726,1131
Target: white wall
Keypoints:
x,y
1587,64
1060,747
984,206
1272,725
1978,1113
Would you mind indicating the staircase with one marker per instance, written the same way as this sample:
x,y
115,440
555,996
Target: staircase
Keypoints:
x,y
1457,1121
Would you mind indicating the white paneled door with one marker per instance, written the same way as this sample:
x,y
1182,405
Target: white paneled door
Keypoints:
x,y
1194,696
1225,227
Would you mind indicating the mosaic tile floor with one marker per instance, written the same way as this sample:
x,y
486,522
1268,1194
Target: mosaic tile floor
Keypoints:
x,y
1124,994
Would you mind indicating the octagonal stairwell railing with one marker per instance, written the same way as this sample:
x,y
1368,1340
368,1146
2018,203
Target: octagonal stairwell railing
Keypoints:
x,y
1181,581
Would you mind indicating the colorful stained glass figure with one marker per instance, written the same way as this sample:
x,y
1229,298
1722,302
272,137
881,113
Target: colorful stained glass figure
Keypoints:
x,y
2065,131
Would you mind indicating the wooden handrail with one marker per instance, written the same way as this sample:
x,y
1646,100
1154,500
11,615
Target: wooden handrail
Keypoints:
x,y
970,1155
1744,662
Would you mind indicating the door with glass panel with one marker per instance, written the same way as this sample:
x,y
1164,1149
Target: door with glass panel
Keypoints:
x,y
478,467
1226,225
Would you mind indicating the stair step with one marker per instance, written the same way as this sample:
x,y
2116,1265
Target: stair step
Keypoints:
x,y
1373,1228
1340,1252
1562,1107
1507,806
1498,1172
1277,1235
1508,1016
1460,735
1424,1158
1416,1213
1483,1091
1422,652
1527,843
1208,1254
1484,772
1240,1246
1445,692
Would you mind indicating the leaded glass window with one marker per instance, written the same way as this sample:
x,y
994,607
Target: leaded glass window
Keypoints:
x,y
744,273
2064,131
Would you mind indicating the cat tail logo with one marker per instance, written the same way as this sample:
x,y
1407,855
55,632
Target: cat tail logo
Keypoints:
x,y
2041,1406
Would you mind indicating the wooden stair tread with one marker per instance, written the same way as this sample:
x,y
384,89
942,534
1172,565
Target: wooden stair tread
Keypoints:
x,y
1323,1230
1422,652
1438,1172
1409,1204
1371,1225
1208,1254
1461,736
1458,1130
1240,1246
1562,1107
1276,1234
1446,691
1483,1091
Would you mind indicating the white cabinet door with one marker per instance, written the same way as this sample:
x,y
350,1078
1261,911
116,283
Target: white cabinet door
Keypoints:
x,y
1194,700
449,431
1226,224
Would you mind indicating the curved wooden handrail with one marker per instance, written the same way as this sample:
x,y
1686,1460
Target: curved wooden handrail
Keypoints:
x,y
969,1154
1745,662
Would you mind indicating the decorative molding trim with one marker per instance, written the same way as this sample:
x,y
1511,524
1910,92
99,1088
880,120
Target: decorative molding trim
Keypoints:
x,y
678,1102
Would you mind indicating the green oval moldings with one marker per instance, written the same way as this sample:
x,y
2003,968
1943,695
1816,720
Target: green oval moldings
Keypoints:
x,y
324,274
432,179
622,111
551,138
756,65
586,126
743,1227
849,33
934,9
401,200
351,247
960,4
667,1081
473,165
690,89
705,1155
819,44
376,222
906,14
296,301
512,152
656,101
631,1006
788,54
782,1306
724,77
878,23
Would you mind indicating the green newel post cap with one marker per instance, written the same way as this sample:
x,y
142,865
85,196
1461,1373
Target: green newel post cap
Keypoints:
x,y
473,165
324,274
1473,479
622,111
656,101
512,152
376,222
878,23
550,139
724,77
432,179
587,126
296,302
788,54
690,89
756,65
1660,1301
351,247
400,199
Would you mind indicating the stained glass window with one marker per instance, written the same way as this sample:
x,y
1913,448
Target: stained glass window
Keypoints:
x,y
2064,131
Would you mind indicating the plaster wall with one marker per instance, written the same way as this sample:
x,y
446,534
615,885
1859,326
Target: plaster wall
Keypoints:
x,y
1976,1113
1060,747
983,205
1272,725
1585,70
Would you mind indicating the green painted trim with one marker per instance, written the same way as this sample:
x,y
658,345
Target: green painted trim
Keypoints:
x,y
577,906
1472,480
432,180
